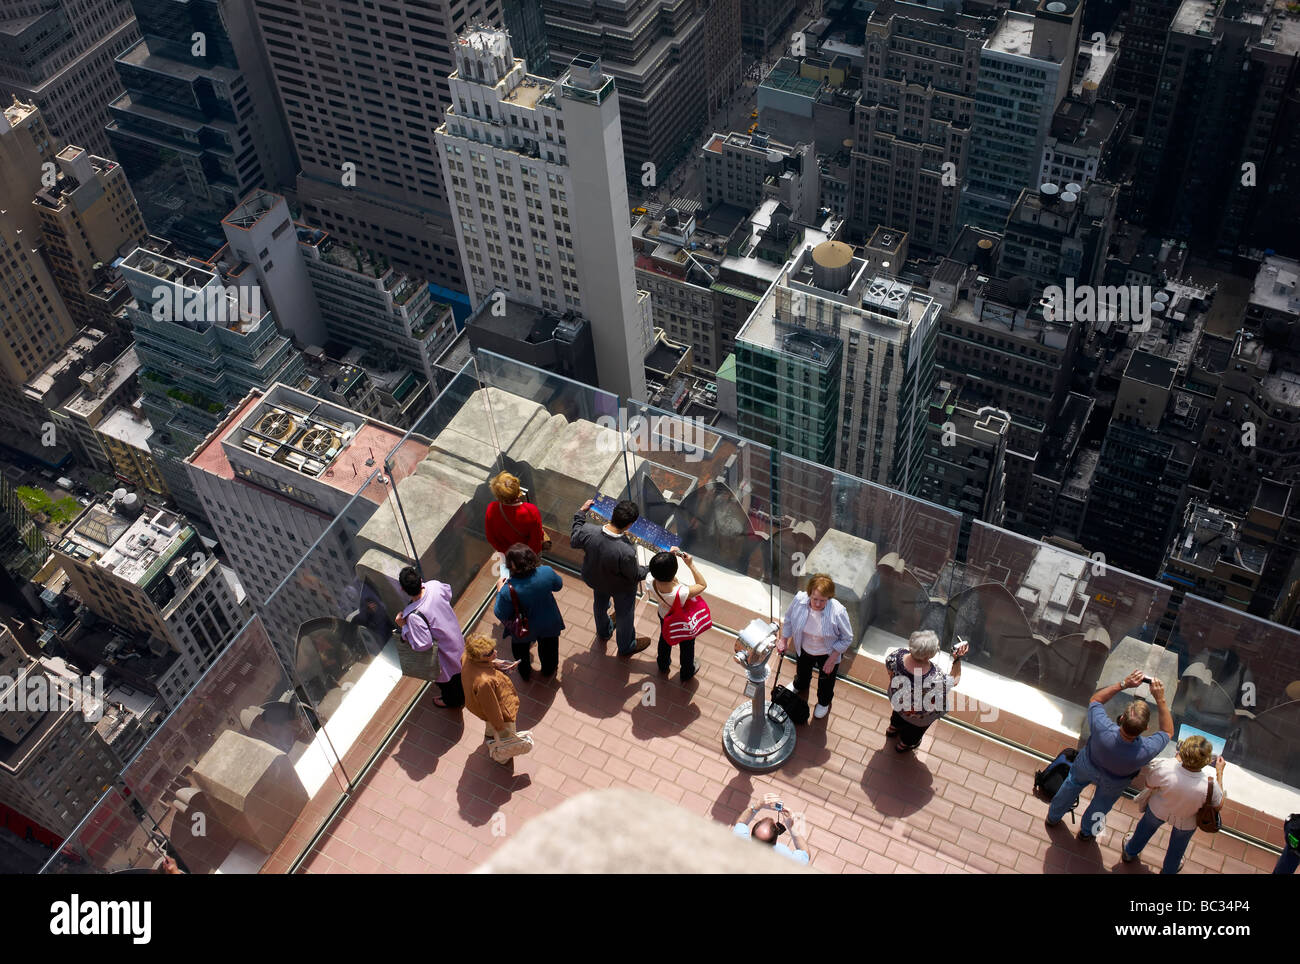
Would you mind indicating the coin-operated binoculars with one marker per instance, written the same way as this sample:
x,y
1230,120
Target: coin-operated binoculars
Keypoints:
x,y
757,736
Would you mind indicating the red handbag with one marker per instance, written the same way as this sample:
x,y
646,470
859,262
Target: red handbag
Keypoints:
x,y
685,621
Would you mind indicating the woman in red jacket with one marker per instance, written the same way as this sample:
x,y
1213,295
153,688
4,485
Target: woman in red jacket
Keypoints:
x,y
510,519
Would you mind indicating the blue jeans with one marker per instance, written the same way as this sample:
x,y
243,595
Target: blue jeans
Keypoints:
x,y
1287,863
1178,841
1082,773
624,612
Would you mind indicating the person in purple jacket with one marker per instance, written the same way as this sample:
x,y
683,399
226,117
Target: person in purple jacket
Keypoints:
x,y
430,621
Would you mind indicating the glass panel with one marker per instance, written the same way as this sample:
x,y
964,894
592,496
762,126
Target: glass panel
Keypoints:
x,y
890,555
1056,621
711,493
1238,681
562,461
223,782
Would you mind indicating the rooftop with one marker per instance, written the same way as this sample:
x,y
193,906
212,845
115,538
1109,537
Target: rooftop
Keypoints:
x,y
130,547
127,426
100,384
1014,35
1276,286
1151,369
1210,536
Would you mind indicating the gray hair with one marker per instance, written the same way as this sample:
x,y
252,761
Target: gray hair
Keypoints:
x,y
923,644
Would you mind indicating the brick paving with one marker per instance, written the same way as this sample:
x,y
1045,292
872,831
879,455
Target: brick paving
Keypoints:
x,y
963,803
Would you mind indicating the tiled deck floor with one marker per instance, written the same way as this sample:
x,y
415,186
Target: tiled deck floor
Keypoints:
x,y
962,803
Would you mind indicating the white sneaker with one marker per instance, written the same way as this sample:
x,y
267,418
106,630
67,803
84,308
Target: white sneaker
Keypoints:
x,y
820,711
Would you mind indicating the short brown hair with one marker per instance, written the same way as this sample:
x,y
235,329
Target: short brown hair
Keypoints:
x,y
505,487
822,583
1136,718
1195,752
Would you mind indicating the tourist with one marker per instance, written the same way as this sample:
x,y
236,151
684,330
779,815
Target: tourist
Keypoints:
x,y
530,591
767,830
610,568
1176,790
510,519
430,621
491,697
672,596
1289,859
818,626
919,691
1115,753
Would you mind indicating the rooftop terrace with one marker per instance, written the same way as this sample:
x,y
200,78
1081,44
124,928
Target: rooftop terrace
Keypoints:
x,y
356,771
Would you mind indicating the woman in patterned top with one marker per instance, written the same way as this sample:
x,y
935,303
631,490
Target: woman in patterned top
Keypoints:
x,y
919,691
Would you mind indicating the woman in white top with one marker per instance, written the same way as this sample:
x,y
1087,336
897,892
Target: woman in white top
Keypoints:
x,y
1177,788
818,626
662,586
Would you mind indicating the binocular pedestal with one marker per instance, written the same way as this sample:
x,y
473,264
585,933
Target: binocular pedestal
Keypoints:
x,y
756,736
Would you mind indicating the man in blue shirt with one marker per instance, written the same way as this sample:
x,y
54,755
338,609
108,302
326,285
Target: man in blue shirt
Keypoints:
x,y
1115,754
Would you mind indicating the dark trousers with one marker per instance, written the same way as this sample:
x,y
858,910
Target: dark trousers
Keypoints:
x,y
804,664
1287,863
687,650
452,693
624,613
548,651
909,734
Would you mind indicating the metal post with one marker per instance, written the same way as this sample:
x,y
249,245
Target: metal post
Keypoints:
x,y
753,738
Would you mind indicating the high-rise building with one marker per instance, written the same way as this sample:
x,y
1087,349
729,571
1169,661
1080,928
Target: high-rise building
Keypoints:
x,y
89,218
35,324
1140,55
124,437
273,477
744,169
763,23
203,343
199,125
145,569
1026,68
836,365
103,388
535,170
965,457
1140,489
996,346
58,55
673,61
1059,231
1209,557
913,120
364,93
1226,76
54,762
527,28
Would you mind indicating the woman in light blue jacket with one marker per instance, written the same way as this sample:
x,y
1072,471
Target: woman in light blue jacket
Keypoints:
x,y
819,627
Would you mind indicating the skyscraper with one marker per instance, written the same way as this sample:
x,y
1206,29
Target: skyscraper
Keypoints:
x,y
35,324
1224,83
58,56
364,93
913,121
674,62
144,568
836,365
273,478
199,125
535,169
1025,70
202,347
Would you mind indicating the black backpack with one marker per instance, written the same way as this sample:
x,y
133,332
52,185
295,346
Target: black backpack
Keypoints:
x,y
1291,832
1048,780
